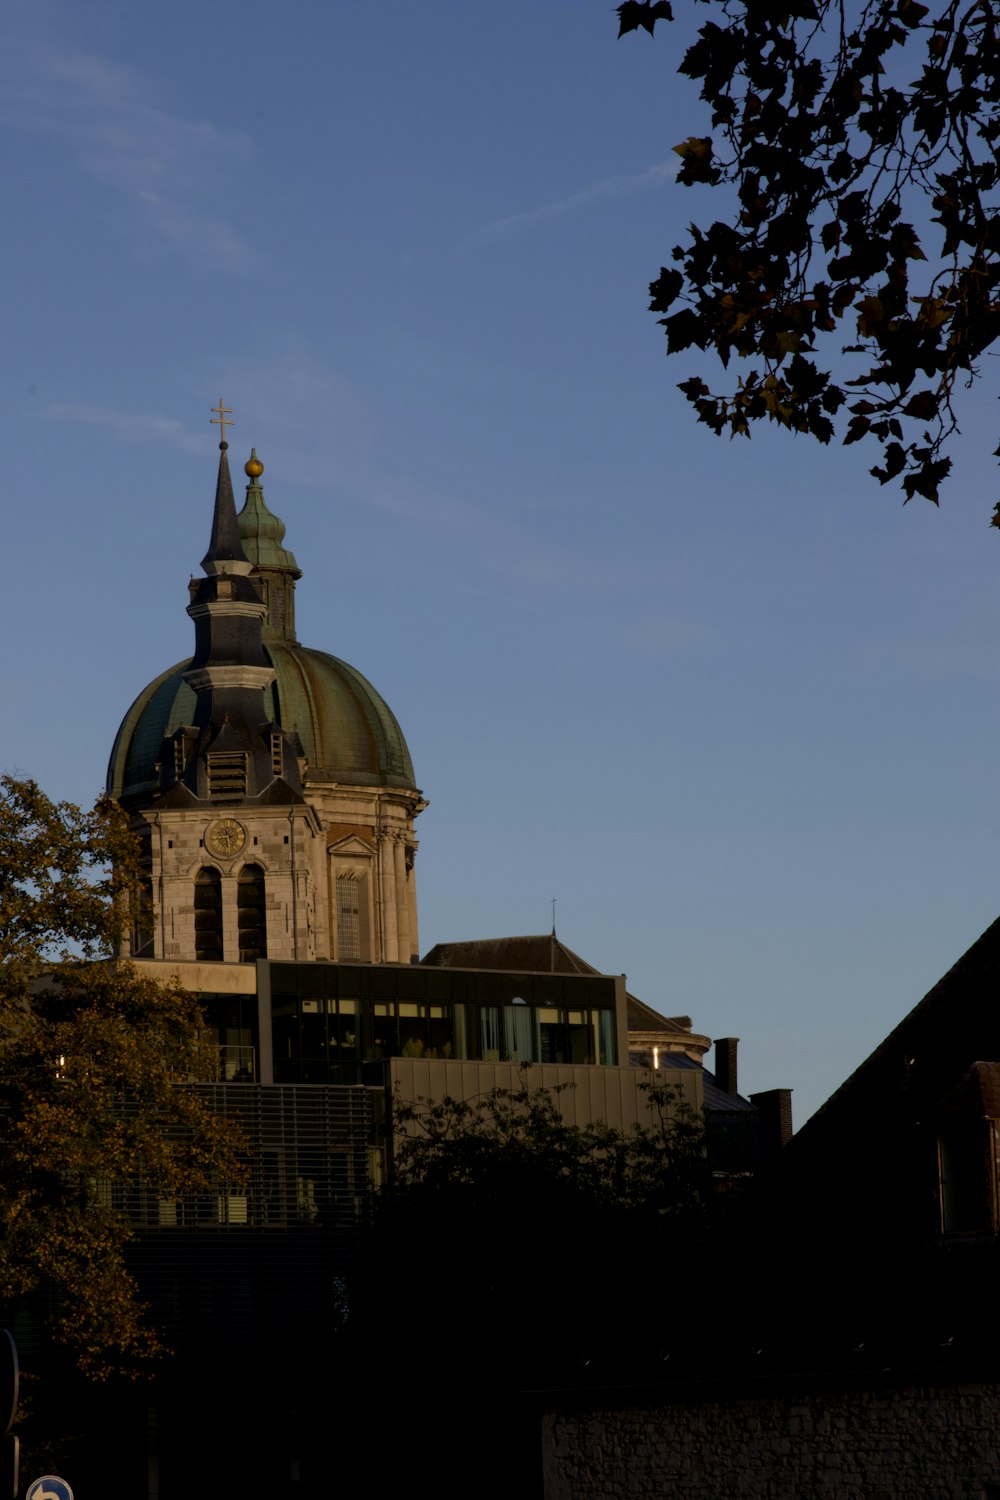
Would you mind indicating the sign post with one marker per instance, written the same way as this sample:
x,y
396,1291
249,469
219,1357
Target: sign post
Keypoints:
x,y
10,1447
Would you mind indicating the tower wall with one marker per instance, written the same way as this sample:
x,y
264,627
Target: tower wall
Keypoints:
x,y
251,851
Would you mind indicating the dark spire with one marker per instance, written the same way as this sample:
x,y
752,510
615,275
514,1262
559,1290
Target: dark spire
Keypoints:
x,y
225,545
232,751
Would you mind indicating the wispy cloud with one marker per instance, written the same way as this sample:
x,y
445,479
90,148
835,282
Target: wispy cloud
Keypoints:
x,y
133,427
598,192
163,166
319,430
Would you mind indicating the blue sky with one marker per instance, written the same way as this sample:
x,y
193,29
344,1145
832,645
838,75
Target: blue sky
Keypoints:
x,y
732,705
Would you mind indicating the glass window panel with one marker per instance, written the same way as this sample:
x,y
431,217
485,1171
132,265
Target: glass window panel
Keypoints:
x,y
412,1030
441,1033
411,984
343,979
441,985
963,1155
313,1032
485,986
383,1032
519,1037
310,980
580,1038
461,1042
489,1030
547,991
343,1034
552,1044
383,980
285,1040
608,1037
594,1022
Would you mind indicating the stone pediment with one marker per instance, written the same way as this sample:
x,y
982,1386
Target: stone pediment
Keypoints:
x,y
352,844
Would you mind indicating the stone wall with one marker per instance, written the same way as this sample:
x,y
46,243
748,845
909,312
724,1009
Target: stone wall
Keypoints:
x,y
913,1442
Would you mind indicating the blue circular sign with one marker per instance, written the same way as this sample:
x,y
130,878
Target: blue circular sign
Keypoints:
x,y
49,1487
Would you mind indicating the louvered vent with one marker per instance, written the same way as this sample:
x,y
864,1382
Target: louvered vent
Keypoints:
x,y
227,776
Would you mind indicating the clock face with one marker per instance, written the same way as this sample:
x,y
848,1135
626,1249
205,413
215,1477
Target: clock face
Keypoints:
x,y
226,836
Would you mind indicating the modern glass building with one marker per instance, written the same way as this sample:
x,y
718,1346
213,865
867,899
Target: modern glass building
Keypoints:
x,y
325,1022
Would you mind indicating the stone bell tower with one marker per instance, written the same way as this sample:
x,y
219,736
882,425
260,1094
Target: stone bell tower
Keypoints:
x,y
270,783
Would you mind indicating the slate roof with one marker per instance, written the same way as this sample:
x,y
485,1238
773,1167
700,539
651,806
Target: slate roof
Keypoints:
x,y
715,1097
955,1025
642,1017
225,544
543,953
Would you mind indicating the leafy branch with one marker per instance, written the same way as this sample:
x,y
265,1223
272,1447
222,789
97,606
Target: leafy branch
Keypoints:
x,y
840,131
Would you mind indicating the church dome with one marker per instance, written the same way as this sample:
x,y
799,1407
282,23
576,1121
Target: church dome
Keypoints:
x,y
348,731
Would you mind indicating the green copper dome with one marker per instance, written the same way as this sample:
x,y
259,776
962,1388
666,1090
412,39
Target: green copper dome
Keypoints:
x,y
348,732
262,532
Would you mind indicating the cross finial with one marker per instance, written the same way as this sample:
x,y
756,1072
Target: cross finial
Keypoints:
x,y
222,420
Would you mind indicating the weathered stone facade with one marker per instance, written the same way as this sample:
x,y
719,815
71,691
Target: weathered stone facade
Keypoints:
x,y
900,1442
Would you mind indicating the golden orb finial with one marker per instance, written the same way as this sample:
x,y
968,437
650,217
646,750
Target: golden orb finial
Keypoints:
x,y
253,468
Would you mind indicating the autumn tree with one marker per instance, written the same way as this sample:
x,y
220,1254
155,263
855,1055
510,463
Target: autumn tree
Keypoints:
x,y
855,274
91,1054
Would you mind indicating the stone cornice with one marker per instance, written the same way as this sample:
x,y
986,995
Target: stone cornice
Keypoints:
x,y
238,566
230,677
227,607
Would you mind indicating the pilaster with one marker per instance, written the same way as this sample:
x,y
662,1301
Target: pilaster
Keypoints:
x,y
387,904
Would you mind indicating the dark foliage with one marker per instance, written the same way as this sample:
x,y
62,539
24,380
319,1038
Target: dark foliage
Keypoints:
x,y
515,1252
91,1053
862,147
507,1210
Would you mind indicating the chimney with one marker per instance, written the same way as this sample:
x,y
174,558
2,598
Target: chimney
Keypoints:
x,y
774,1112
725,1063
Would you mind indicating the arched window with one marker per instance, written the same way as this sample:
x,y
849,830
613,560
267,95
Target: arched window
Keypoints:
x,y
208,915
251,914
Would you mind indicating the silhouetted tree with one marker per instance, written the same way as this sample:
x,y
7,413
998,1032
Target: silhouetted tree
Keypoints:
x,y
91,1055
859,148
